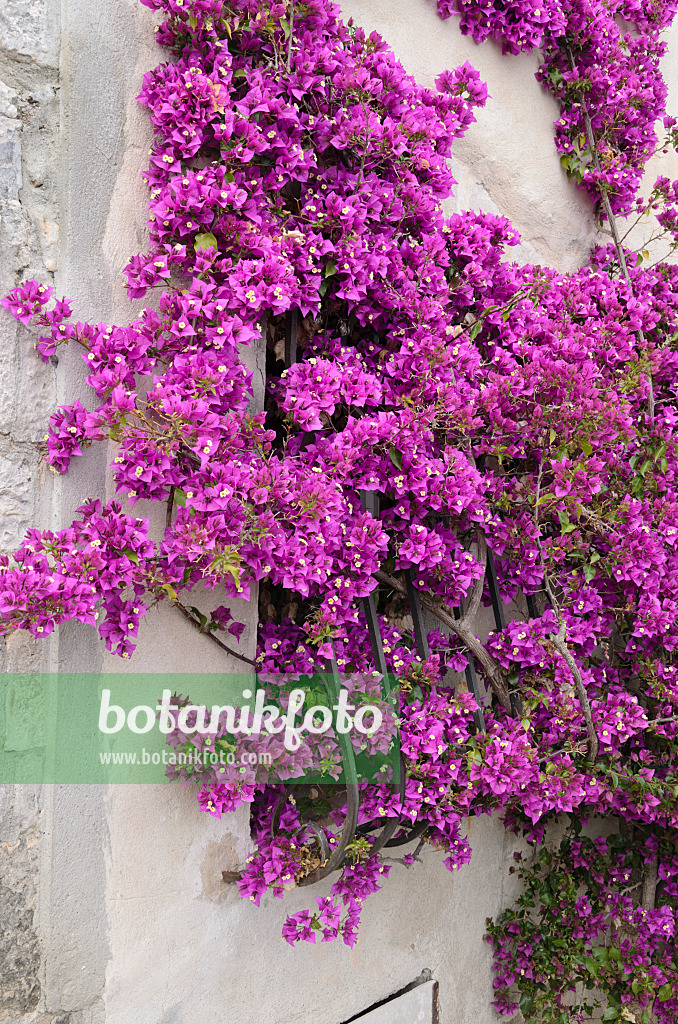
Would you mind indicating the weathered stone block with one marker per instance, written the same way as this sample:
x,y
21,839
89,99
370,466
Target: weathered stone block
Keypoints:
x,y
25,699
35,392
10,158
19,945
19,953
7,101
18,475
27,28
19,812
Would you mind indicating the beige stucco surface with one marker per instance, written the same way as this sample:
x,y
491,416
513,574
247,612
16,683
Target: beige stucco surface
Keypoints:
x,y
134,924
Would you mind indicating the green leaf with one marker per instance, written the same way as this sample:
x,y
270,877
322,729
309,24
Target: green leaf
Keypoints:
x,y
202,619
552,435
592,966
526,1004
565,525
132,555
227,563
475,330
664,993
612,1013
170,591
589,573
285,25
330,268
396,457
586,447
180,498
205,241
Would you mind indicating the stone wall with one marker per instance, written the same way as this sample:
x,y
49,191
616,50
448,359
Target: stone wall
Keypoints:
x,y
30,128
112,907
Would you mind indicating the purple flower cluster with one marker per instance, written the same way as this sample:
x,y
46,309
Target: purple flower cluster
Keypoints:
x,y
592,935
97,569
591,65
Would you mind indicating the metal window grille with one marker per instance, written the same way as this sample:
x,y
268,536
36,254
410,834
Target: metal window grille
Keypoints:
x,y
385,837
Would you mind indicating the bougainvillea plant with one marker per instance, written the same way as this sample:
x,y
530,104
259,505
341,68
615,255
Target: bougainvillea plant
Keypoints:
x,y
296,169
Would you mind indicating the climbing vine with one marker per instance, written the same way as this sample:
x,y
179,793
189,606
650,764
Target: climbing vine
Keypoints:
x,y
503,413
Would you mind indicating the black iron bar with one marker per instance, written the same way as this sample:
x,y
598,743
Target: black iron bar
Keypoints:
x,y
495,597
410,835
370,610
347,835
531,606
500,621
277,811
370,503
419,630
291,324
338,853
392,824
319,833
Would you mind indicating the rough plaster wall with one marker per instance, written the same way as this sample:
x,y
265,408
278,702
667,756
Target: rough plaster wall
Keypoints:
x,y
132,924
506,163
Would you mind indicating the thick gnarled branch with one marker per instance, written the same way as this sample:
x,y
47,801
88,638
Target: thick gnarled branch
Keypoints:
x,y
462,629
558,642
558,639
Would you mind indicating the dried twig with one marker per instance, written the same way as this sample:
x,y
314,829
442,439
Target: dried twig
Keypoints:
x,y
558,639
462,629
650,880
605,199
208,633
